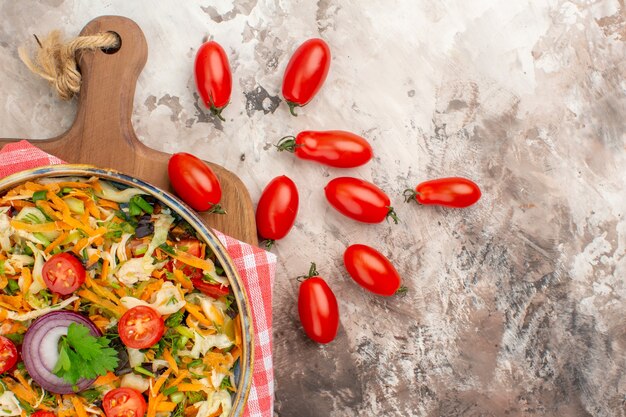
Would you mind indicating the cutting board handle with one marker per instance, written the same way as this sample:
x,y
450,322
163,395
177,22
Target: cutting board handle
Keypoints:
x,y
105,101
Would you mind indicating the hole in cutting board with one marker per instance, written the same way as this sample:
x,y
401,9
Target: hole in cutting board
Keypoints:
x,y
111,51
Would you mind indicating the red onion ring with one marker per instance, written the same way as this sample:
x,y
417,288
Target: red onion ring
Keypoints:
x,y
40,350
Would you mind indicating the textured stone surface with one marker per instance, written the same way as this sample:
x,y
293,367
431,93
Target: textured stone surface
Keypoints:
x,y
515,306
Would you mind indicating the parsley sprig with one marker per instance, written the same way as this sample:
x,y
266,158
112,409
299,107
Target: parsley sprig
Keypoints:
x,y
82,355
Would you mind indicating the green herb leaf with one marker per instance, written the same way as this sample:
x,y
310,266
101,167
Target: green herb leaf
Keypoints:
x,y
175,319
169,391
167,248
82,355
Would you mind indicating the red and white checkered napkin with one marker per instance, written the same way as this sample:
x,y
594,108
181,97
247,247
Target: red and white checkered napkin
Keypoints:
x,y
256,268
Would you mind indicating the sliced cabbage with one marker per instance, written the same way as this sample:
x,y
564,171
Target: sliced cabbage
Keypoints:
x,y
162,223
167,300
135,357
9,406
202,344
136,269
12,315
213,402
217,378
121,248
215,310
109,192
5,231
135,381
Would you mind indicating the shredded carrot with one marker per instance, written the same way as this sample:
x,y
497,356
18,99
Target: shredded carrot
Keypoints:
x,y
106,379
105,269
204,264
33,228
33,186
78,406
159,382
21,203
92,209
182,279
195,311
50,212
151,289
186,387
18,375
182,375
70,184
152,405
192,323
3,314
237,330
3,281
13,301
67,218
95,257
84,218
116,310
108,204
76,305
157,273
56,242
170,360
103,292
28,279
166,406
80,245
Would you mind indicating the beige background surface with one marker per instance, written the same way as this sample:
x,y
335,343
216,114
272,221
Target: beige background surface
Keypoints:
x,y
515,306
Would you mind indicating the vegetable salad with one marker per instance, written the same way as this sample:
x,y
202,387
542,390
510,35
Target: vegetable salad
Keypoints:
x,y
130,314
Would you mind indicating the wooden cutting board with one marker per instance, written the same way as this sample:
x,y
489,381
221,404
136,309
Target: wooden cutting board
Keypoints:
x,y
103,135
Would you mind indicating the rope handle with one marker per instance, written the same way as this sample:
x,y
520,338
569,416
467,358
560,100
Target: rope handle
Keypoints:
x,y
55,61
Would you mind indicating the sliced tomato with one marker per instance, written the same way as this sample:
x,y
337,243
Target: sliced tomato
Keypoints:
x,y
43,413
192,247
209,288
141,327
8,354
63,273
124,402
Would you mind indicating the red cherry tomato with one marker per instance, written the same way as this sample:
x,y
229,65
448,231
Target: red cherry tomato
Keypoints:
x,y
449,192
213,78
306,71
124,402
8,354
334,148
63,273
317,307
211,289
195,182
371,270
193,247
43,413
277,209
141,327
360,200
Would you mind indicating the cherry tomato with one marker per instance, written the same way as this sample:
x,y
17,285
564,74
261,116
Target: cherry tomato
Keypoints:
x,y
448,192
371,270
305,73
8,354
317,307
141,327
124,402
195,182
43,413
213,78
360,200
193,247
334,148
214,290
63,273
277,209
